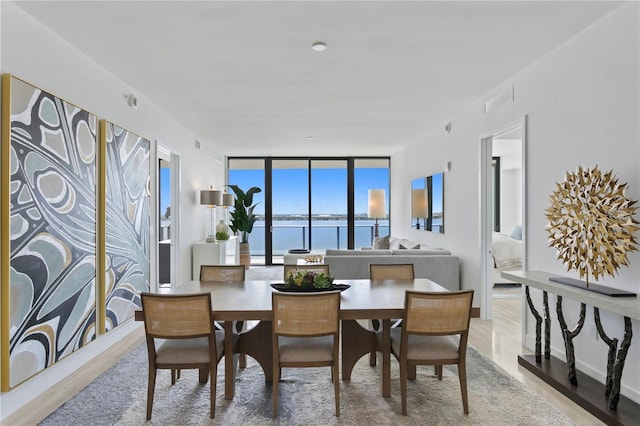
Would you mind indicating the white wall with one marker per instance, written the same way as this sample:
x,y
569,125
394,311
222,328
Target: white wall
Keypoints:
x,y
510,199
31,52
582,108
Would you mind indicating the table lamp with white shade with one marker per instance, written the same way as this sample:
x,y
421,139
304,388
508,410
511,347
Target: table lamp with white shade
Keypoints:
x,y
377,207
211,198
419,205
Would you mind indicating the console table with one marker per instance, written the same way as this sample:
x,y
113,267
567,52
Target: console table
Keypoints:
x,y
204,253
600,400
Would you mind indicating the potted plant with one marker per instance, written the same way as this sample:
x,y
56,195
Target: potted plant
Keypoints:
x,y
242,219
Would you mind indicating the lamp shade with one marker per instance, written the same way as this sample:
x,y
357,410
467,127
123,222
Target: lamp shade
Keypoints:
x,y
377,204
210,197
419,205
227,200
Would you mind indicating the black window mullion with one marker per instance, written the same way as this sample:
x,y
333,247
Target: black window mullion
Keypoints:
x,y
351,215
268,211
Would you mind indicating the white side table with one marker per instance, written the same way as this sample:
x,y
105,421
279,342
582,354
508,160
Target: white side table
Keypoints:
x,y
218,253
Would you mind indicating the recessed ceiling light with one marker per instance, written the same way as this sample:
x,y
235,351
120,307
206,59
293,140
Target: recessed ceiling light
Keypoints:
x,y
319,46
310,138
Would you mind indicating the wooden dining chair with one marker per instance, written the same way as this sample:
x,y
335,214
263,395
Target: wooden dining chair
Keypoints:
x,y
306,334
388,271
223,274
430,319
180,335
391,271
294,269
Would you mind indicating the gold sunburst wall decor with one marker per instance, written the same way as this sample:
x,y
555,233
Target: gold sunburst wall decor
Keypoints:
x,y
591,223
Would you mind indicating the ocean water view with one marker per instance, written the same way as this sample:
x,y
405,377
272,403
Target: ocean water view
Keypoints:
x,y
293,234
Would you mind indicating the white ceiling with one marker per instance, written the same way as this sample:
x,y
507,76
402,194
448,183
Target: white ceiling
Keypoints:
x,y
243,75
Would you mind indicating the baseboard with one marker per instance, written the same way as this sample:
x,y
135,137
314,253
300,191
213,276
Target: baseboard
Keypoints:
x,y
37,386
589,394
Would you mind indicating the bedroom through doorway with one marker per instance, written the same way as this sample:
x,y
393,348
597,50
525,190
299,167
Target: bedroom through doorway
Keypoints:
x,y
503,219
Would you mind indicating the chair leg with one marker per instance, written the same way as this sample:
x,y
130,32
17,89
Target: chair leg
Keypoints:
x,y
462,373
212,390
375,326
150,389
276,380
439,367
173,376
411,371
203,375
403,386
336,385
372,358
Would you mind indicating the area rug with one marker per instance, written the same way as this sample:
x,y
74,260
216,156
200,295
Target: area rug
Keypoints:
x,y
118,397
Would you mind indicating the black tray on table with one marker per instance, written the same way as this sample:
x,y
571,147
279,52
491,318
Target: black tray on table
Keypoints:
x,y
294,289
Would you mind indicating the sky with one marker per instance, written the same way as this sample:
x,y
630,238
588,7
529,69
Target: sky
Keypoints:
x,y
329,188
165,189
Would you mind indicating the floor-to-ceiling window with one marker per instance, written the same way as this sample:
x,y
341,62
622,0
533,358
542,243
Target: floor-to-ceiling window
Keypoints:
x,y
311,203
290,206
369,173
246,173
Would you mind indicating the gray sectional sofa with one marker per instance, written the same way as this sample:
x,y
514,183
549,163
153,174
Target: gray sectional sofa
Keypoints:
x,y
436,264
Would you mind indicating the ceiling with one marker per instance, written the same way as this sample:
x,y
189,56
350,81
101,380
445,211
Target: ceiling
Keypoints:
x,y
242,75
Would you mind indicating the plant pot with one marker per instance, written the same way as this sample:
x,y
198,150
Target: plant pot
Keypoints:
x,y
245,255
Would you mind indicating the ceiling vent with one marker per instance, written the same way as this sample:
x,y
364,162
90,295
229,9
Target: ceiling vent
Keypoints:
x,y
500,99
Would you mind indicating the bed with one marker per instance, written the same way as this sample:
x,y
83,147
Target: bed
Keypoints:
x,y
507,255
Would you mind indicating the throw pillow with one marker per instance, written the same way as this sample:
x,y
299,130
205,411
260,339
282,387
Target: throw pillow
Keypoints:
x,y
516,232
417,246
381,243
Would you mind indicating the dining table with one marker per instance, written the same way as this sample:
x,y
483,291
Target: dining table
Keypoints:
x,y
250,300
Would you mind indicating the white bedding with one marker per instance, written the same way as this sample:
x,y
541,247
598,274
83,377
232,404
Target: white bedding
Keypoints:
x,y
507,252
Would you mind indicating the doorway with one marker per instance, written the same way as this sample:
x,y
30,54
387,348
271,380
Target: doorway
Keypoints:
x,y
168,190
503,196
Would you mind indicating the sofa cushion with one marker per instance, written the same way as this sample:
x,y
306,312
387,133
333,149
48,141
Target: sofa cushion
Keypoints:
x,y
395,243
402,247
381,242
374,252
420,252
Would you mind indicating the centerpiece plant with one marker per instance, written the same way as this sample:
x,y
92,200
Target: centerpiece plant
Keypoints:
x,y
308,279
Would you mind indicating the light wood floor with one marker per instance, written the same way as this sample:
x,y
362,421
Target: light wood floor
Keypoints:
x,y
498,339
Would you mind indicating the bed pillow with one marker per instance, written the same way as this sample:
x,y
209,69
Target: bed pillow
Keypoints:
x,y
516,232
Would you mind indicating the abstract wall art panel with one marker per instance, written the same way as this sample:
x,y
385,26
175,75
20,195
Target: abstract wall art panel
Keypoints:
x,y
127,221
48,229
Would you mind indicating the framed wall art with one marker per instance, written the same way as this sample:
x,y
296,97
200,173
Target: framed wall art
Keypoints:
x,y
48,229
126,187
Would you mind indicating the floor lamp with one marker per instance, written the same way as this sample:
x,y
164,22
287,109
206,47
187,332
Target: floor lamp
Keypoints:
x,y
377,207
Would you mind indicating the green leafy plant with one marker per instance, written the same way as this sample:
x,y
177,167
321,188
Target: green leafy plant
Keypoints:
x,y
222,236
307,279
242,217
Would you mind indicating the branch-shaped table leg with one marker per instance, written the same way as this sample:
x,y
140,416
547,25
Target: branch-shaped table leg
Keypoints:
x,y
568,336
615,365
613,349
547,326
538,318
